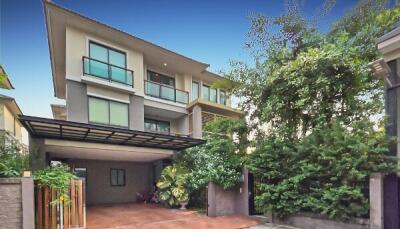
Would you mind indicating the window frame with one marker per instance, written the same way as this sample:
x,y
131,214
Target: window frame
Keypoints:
x,y
109,101
108,53
164,75
224,92
198,90
209,93
124,176
157,122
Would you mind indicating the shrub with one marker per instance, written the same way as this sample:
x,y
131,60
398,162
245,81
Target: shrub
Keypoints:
x,y
57,177
12,161
173,185
326,172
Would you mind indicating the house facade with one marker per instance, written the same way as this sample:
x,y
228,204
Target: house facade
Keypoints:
x,y
385,189
130,106
11,129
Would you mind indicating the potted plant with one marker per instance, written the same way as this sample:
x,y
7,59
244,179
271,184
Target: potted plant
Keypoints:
x,y
172,186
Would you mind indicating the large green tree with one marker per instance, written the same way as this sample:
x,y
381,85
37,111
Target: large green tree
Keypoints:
x,y
316,106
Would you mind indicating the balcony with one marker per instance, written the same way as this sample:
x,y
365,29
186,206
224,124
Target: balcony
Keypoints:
x,y
106,71
166,92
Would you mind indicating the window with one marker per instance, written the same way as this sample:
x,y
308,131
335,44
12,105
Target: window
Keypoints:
x,y
117,177
209,94
195,90
110,63
158,126
222,97
160,78
108,112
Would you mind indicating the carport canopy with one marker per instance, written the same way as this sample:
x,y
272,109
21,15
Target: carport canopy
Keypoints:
x,y
76,131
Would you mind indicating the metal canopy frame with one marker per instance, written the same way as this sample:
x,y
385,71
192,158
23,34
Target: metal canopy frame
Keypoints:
x,y
76,131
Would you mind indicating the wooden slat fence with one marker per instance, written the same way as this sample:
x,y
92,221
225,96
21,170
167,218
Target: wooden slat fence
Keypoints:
x,y
54,213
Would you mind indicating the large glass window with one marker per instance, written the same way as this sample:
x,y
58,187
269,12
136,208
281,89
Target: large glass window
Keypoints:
x,y
108,63
160,78
206,92
108,112
117,177
158,126
195,90
209,93
222,97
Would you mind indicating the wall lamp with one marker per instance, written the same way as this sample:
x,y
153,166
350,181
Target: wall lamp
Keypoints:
x,y
382,71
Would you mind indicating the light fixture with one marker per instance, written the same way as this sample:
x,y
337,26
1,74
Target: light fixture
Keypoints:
x,y
381,70
165,64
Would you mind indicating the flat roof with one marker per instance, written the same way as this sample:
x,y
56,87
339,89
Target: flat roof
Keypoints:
x,y
76,131
390,34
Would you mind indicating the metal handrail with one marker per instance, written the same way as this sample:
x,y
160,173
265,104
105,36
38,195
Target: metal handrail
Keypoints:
x,y
166,86
109,76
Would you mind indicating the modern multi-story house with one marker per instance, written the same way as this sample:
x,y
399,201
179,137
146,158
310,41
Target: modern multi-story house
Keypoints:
x,y
130,106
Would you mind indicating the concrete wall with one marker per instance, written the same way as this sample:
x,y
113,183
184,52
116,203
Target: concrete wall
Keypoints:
x,y
138,178
17,203
77,102
231,201
307,221
136,113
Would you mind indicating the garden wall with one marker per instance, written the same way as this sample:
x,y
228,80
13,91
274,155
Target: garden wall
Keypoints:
x,y
17,203
234,201
311,221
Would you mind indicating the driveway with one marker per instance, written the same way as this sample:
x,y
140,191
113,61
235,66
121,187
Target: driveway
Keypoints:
x,y
151,216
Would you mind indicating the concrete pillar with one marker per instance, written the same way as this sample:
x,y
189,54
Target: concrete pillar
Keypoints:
x,y
136,113
36,153
376,201
77,102
28,203
242,195
196,122
212,201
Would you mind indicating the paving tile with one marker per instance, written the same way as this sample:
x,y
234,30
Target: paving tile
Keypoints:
x,y
151,216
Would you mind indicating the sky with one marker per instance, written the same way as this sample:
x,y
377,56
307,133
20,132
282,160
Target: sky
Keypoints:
x,y
211,31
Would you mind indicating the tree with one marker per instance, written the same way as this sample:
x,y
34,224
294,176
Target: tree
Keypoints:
x,y
316,95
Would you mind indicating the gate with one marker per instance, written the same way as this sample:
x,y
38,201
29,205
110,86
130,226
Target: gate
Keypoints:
x,y
54,213
253,192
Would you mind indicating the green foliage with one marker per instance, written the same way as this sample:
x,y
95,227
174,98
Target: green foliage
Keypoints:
x,y
325,172
219,160
313,101
173,185
57,177
12,161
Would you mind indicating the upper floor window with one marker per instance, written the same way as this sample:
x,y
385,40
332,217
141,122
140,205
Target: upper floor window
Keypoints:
x,y
222,97
195,90
107,63
108,112
160,78
158,126
209,93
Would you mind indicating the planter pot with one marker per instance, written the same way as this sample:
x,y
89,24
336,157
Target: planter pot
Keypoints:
x,y
183,206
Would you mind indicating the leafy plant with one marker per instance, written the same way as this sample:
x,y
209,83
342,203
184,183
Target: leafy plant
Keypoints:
x,y
57,177
219,160
12,161
173,185
313,102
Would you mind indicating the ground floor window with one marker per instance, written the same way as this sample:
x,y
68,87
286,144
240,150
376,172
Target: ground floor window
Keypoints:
x,y
117,177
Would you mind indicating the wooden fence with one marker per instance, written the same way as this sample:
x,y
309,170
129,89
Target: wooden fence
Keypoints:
x,y
54,213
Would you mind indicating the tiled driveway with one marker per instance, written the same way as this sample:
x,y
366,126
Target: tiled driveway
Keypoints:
x,y
150,216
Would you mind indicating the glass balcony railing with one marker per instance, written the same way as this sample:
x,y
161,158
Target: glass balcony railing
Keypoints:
x,y
107,71
165,92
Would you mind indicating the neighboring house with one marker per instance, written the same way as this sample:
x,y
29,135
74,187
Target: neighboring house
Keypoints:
x,y
130,106
385,191
10,127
